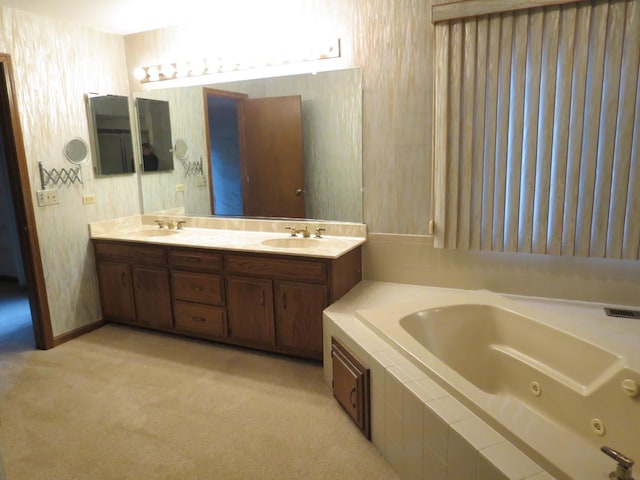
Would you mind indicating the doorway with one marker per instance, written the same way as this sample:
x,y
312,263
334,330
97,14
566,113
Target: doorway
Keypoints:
x,y
255,154
28,269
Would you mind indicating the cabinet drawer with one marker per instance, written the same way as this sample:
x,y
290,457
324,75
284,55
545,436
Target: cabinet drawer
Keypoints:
x,y
202,319
135,253
197,287
195,259
299,270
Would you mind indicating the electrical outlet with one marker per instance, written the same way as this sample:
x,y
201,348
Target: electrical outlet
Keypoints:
x,y
180,187
47,197
89,198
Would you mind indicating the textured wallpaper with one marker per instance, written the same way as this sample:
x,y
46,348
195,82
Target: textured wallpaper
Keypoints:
x,y
54,65
392,42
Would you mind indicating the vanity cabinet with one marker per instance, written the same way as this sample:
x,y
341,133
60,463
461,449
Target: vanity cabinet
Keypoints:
x,y
278,300
351,386
134,284
259,300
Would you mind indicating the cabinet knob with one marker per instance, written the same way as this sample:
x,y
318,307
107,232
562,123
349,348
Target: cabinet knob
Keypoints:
x,y
353,402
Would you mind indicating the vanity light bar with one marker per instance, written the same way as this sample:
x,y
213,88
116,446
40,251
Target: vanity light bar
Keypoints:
x,y
209,66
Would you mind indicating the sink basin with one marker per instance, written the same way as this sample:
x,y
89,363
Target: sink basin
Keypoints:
x,y
154,232
292,242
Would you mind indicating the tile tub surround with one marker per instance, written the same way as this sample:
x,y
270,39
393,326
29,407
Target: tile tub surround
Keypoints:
x,y
240,234
419,427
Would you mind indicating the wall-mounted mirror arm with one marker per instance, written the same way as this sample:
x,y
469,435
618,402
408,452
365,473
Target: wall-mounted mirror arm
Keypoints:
x,y
76,151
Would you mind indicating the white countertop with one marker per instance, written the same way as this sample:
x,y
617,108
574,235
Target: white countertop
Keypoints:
x,y
223,235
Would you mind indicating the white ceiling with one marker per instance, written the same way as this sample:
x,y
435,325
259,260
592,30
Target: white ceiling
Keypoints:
x,y
114,16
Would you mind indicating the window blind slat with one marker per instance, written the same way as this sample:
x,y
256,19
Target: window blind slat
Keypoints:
x,y
561,130
470,42
576,124
502,130
545,130
441,122
453,172
591,129
606,138
530,133
624,132
516,127
495,27
479,133
631,243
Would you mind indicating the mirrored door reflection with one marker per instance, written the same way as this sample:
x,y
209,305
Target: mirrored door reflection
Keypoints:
x,y
154,123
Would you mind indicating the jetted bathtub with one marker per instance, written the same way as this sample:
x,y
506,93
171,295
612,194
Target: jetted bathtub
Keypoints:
x,y
556,396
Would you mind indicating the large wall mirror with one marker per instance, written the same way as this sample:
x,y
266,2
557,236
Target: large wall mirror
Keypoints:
x,y
110,132
331,114
154,127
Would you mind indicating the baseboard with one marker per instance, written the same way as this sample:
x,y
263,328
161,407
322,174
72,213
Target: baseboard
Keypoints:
x,y
65,337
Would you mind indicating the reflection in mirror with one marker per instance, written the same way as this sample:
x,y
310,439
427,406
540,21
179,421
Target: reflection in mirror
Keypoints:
x,y
110,132
154,125
332,142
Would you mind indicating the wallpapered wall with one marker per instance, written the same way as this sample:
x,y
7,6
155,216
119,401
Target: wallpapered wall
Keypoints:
x,y
392,42
54,65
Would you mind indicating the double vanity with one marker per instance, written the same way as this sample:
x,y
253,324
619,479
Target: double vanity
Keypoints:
x,y
246,282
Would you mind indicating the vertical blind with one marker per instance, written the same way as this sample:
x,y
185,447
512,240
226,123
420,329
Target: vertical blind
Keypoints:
x,y
537,131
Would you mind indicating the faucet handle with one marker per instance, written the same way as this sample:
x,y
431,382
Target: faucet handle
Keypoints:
x,y
180,223
293,231
625,464
160,223
319,232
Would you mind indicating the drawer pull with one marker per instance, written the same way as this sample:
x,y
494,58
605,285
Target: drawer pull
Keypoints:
x,y
284,301
194,259
196,288
199,319
123,279
353,403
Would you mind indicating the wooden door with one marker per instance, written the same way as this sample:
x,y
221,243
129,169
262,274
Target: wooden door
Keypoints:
x,y
250,309
272,147
299,316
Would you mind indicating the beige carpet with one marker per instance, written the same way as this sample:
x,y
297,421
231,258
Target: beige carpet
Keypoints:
x,y
121,403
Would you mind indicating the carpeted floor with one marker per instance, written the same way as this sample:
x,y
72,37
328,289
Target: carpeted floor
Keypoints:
x,y
122,403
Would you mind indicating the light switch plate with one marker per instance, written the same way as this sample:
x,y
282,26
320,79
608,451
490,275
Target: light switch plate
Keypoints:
x,y
47,197
88,198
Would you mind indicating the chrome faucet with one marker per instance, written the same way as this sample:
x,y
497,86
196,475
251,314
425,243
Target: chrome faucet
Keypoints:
x,y
624,467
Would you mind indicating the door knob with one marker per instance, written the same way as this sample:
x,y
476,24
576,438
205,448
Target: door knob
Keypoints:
x,y
299,192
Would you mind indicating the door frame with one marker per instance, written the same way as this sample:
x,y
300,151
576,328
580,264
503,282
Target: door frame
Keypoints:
x,y
23,206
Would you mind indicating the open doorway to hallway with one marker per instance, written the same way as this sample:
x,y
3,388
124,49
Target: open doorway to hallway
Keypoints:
x,y
16,329
22,253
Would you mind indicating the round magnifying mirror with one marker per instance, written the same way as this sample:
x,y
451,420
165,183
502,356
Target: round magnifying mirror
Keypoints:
x,y
181,150
77,151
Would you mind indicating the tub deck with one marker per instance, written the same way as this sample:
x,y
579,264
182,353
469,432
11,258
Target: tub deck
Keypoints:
x,y
579,386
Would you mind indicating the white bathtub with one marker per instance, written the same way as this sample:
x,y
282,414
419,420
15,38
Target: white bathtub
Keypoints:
x,y
556,396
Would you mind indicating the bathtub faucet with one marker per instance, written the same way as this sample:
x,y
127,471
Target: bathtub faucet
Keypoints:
x,y
625,464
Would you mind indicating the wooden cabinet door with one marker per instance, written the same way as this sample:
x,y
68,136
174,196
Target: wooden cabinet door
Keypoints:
x,y
116,292
152,298
351,386
250,309
299,316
